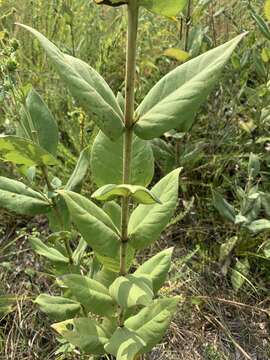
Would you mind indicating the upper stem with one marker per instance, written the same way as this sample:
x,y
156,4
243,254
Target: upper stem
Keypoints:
x,y
188,18
128,119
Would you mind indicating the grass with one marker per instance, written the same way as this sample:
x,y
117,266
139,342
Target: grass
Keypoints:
x,y
212,323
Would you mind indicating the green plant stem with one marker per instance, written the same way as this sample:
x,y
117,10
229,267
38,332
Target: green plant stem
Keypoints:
x,y
188,21
129,115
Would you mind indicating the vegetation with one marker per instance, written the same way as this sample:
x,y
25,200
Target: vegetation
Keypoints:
x,y
103,278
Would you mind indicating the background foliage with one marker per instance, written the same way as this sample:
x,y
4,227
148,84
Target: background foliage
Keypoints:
x,y
224,283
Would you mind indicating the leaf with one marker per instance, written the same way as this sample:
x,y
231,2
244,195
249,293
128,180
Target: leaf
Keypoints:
x,y
86,86
105,153
105,277
94,296
16,196
177,54
121,101
265,201
93,223
78,176
261,71
174,101
86,334
41,121
251,204
258,226
124,343
262,25
223,207
227,247
264,118
109,326
253,166
148,221
129,350
79,251
267,9
139,193
113,263
7,304
57,307
114,211
157,268
164,154
24,152
240,220
167,8
132,290
151,323
265,55
48,252
59,218
113,3
239,273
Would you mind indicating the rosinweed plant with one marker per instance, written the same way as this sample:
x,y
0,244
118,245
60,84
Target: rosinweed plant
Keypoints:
x,y
104,309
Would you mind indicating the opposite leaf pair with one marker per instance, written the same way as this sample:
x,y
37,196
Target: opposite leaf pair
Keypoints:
x,y
145,224
172,103
83,295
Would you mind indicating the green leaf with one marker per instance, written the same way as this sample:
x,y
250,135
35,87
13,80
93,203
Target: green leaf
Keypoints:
x,y
251,204
114,211
174,101
139,193
41,121
94,296
253,165
93,223
57,307
227,247
265,201
86,86
86,334
239,273
258,226
164,154
151,323
7,304
177,54
167,8
267,9
48,252
109,325
16,196
24,152
105,277
157,268
223,207
121,101
124,344
105,153
262,25
148,221
78,176
59,218
129,350
79,251
132,290
113,263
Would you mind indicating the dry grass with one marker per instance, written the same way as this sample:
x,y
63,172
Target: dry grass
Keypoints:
x,y
212,323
